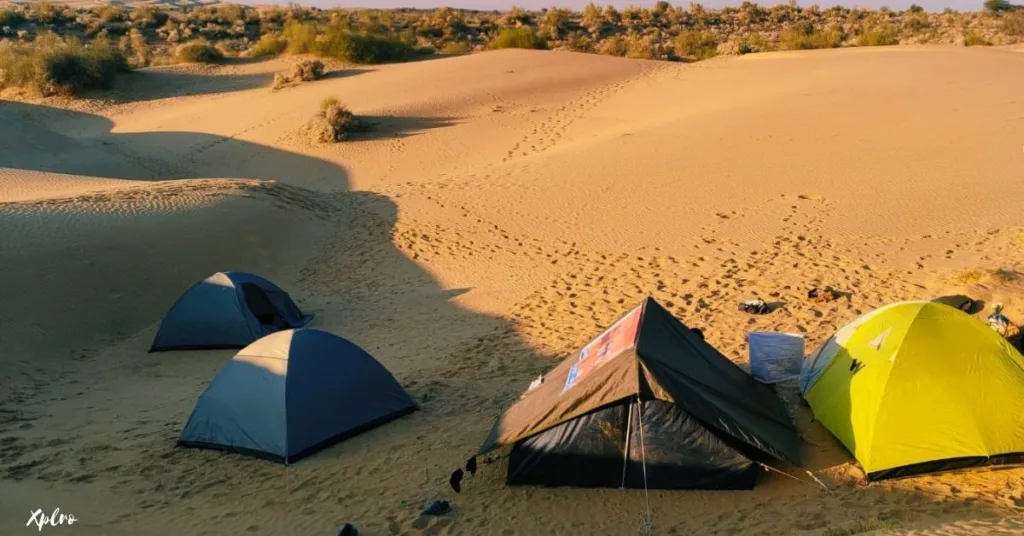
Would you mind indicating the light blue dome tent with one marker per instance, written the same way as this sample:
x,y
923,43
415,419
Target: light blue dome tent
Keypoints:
x,y
293,393
227,310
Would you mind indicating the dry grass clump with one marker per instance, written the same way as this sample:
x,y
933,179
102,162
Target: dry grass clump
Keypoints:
x,y
334,123
303,71
199,51
55,66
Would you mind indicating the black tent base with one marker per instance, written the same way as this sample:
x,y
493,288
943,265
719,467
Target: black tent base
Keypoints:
x,y
304,453
652,445
947,465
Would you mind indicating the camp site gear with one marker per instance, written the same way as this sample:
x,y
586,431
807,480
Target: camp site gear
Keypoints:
x,y
755,307
292,393
227,310
917,387
648,393
997,321
822,295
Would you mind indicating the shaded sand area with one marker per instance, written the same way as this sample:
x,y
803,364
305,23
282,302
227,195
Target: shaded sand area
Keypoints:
x,y
506,207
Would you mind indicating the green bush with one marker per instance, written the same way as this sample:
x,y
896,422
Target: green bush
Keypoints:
x,y
805,36
697,45
362,48
877,38
268,45
52,66
998,6
198,51
518,38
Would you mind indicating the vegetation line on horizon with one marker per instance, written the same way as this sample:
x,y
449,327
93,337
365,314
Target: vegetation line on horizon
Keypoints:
x,y
53,49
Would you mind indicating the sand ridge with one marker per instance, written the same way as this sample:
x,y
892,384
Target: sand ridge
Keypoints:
x,y
496,219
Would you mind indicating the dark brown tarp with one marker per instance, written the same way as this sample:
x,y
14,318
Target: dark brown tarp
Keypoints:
x,y
665,361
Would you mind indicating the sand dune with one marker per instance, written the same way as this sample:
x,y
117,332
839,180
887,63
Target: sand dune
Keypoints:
x,y
506,207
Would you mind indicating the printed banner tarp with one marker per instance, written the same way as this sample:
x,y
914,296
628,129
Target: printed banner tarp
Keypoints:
x,y
616,339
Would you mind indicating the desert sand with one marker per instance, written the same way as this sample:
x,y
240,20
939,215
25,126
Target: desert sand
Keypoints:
x,y
506,207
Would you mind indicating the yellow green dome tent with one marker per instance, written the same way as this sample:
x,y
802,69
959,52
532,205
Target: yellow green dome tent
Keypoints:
x,y
917,387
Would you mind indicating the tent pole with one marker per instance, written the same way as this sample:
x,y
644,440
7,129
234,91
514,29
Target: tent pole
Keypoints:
x,y
625,454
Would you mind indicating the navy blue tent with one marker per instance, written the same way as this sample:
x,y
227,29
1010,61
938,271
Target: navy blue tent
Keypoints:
x,y
227,310
292,393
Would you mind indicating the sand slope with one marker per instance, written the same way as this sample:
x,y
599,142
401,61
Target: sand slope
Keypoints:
x,y
506,208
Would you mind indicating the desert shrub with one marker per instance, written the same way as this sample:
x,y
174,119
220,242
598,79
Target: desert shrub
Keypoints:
x,y
111,13
45,13
303,71
11,17
301,37
805,36
614,46
578,42
363,48
268,45
334,123
1013,23
149,16
518,38
753,43
52,66
914,8
456,47
973,39
136,48
697,45
198,51
876,38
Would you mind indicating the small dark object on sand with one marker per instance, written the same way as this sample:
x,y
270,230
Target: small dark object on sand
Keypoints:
x,y
755,307
456,481
349,530
439,508
471,465
823,295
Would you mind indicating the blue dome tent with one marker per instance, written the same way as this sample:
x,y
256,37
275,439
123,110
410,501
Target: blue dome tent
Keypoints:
x,y
227,310
293,393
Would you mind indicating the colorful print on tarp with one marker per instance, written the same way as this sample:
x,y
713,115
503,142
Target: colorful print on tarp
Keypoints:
x,y
615,340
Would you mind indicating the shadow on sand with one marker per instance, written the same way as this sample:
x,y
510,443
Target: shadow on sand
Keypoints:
x,y
167,82
61,141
